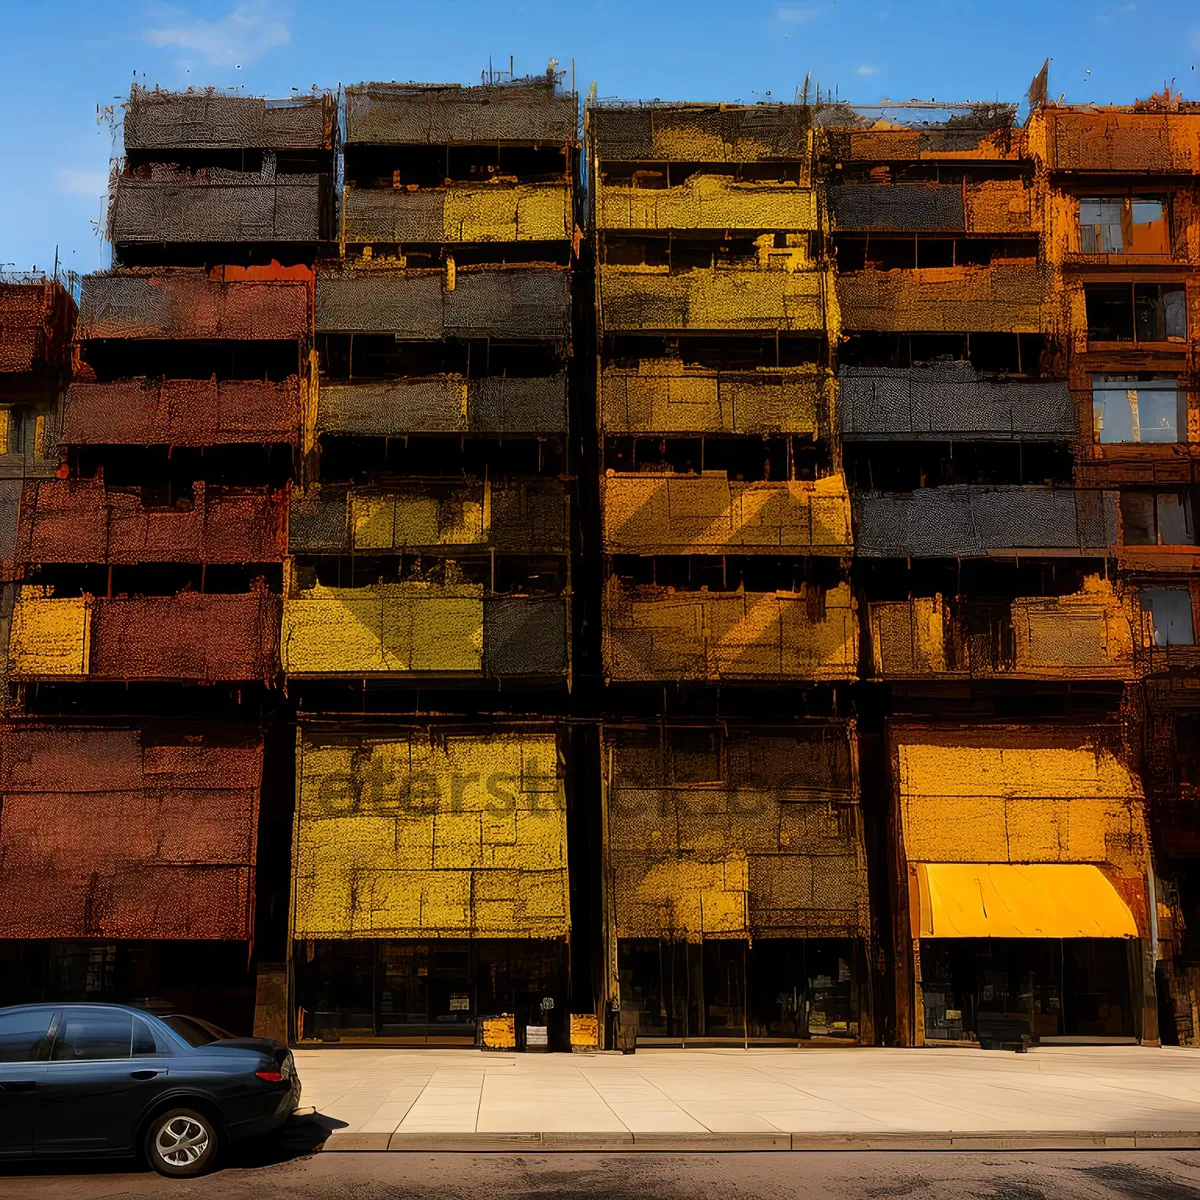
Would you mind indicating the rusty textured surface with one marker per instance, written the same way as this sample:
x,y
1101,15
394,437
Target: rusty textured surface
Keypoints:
x,y
1108,140
445,404
215,205
395,114
80,520
700,132
429,833
204,118
182,412
771,845
237,303
190,637
516,515
659,633
36,320
952,399
109,833
488,301
713,514
972,521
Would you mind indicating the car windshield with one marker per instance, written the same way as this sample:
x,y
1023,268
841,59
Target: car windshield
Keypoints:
x,y
194,1031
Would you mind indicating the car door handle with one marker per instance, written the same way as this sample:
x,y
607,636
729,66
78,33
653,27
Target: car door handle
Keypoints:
x,y
18,1085
147,1073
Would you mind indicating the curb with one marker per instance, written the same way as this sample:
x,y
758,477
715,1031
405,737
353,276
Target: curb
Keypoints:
x,y
624,1142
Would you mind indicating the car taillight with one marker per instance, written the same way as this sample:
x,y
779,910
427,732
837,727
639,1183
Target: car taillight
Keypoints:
x,y
269,1076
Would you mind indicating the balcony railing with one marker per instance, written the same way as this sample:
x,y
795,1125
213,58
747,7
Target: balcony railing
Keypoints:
x,y
706,201
990,206
656,633
712,514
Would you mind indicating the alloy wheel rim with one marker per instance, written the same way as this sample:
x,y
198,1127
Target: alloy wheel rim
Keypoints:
x,y
181,1141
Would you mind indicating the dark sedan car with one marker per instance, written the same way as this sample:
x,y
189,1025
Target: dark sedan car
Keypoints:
x,y
104,1079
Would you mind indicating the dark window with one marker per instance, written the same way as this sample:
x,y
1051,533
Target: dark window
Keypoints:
x,y
696,756
93,1035
193,1031
1157,519
21,1034
1137,312
1109,312
147,1041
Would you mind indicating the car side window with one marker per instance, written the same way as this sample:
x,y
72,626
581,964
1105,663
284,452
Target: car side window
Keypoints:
x,y
93,1034
22,1033
147,1041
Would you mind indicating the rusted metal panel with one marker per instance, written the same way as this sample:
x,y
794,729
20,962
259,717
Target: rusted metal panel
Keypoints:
x,y
665,395
514,515
768,844
487,301
1107,140
182,412
657,633
713,514
941,400
203,118
525,636
904,206
36,319
396,114
80,520
989,133
974,521
490,212
106,832
700,132
243,304
213,205
446,404
1002,298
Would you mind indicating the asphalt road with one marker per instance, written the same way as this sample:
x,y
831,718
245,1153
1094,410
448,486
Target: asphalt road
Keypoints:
x,y
290,1169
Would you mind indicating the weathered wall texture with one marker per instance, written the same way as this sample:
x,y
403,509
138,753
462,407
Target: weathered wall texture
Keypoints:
x,y
191,637
494,212
445,404
82,521
109,833
706,201
182,412
665,395
971,521
943,400
772,846
516,515
35,326
430,834
702,132
657,633
712,514
1109,141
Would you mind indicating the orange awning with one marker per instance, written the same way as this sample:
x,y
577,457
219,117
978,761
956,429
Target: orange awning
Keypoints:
x,y
1037,900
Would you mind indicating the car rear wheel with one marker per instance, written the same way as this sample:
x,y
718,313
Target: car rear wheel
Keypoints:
x,y
181,1142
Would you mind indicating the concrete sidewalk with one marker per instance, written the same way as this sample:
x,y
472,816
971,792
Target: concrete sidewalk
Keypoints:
x,y
1066,1097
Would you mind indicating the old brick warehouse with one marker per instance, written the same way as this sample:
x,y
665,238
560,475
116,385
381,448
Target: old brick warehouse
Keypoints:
x,y
480,572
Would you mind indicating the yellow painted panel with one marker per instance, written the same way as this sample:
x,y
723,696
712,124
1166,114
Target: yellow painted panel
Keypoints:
x,y
585,1030
49,636
689,898
413,837
1083,633
395,627
706,201
999,900
394,521
908,637
499,1033
503,212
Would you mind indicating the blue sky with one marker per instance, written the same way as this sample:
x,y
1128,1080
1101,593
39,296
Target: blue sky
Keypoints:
x,y
63,60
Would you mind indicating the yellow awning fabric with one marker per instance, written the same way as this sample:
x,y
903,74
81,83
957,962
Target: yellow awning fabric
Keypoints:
x,y
1046,900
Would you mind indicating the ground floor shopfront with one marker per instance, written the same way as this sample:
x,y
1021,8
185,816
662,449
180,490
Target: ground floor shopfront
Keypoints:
x,y
440,992
738,990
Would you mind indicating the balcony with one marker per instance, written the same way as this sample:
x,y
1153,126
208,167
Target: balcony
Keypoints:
x,y
960,142
667,396
712,514
693,133
418,628
182,412
1088,635
239,303
1107,142
941,401
718,299
399,114
706,201
188,638
990,206
656,633
513,516
427,305
495,212
494,404
175,205
1001,298
976,521
82,521
207,120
